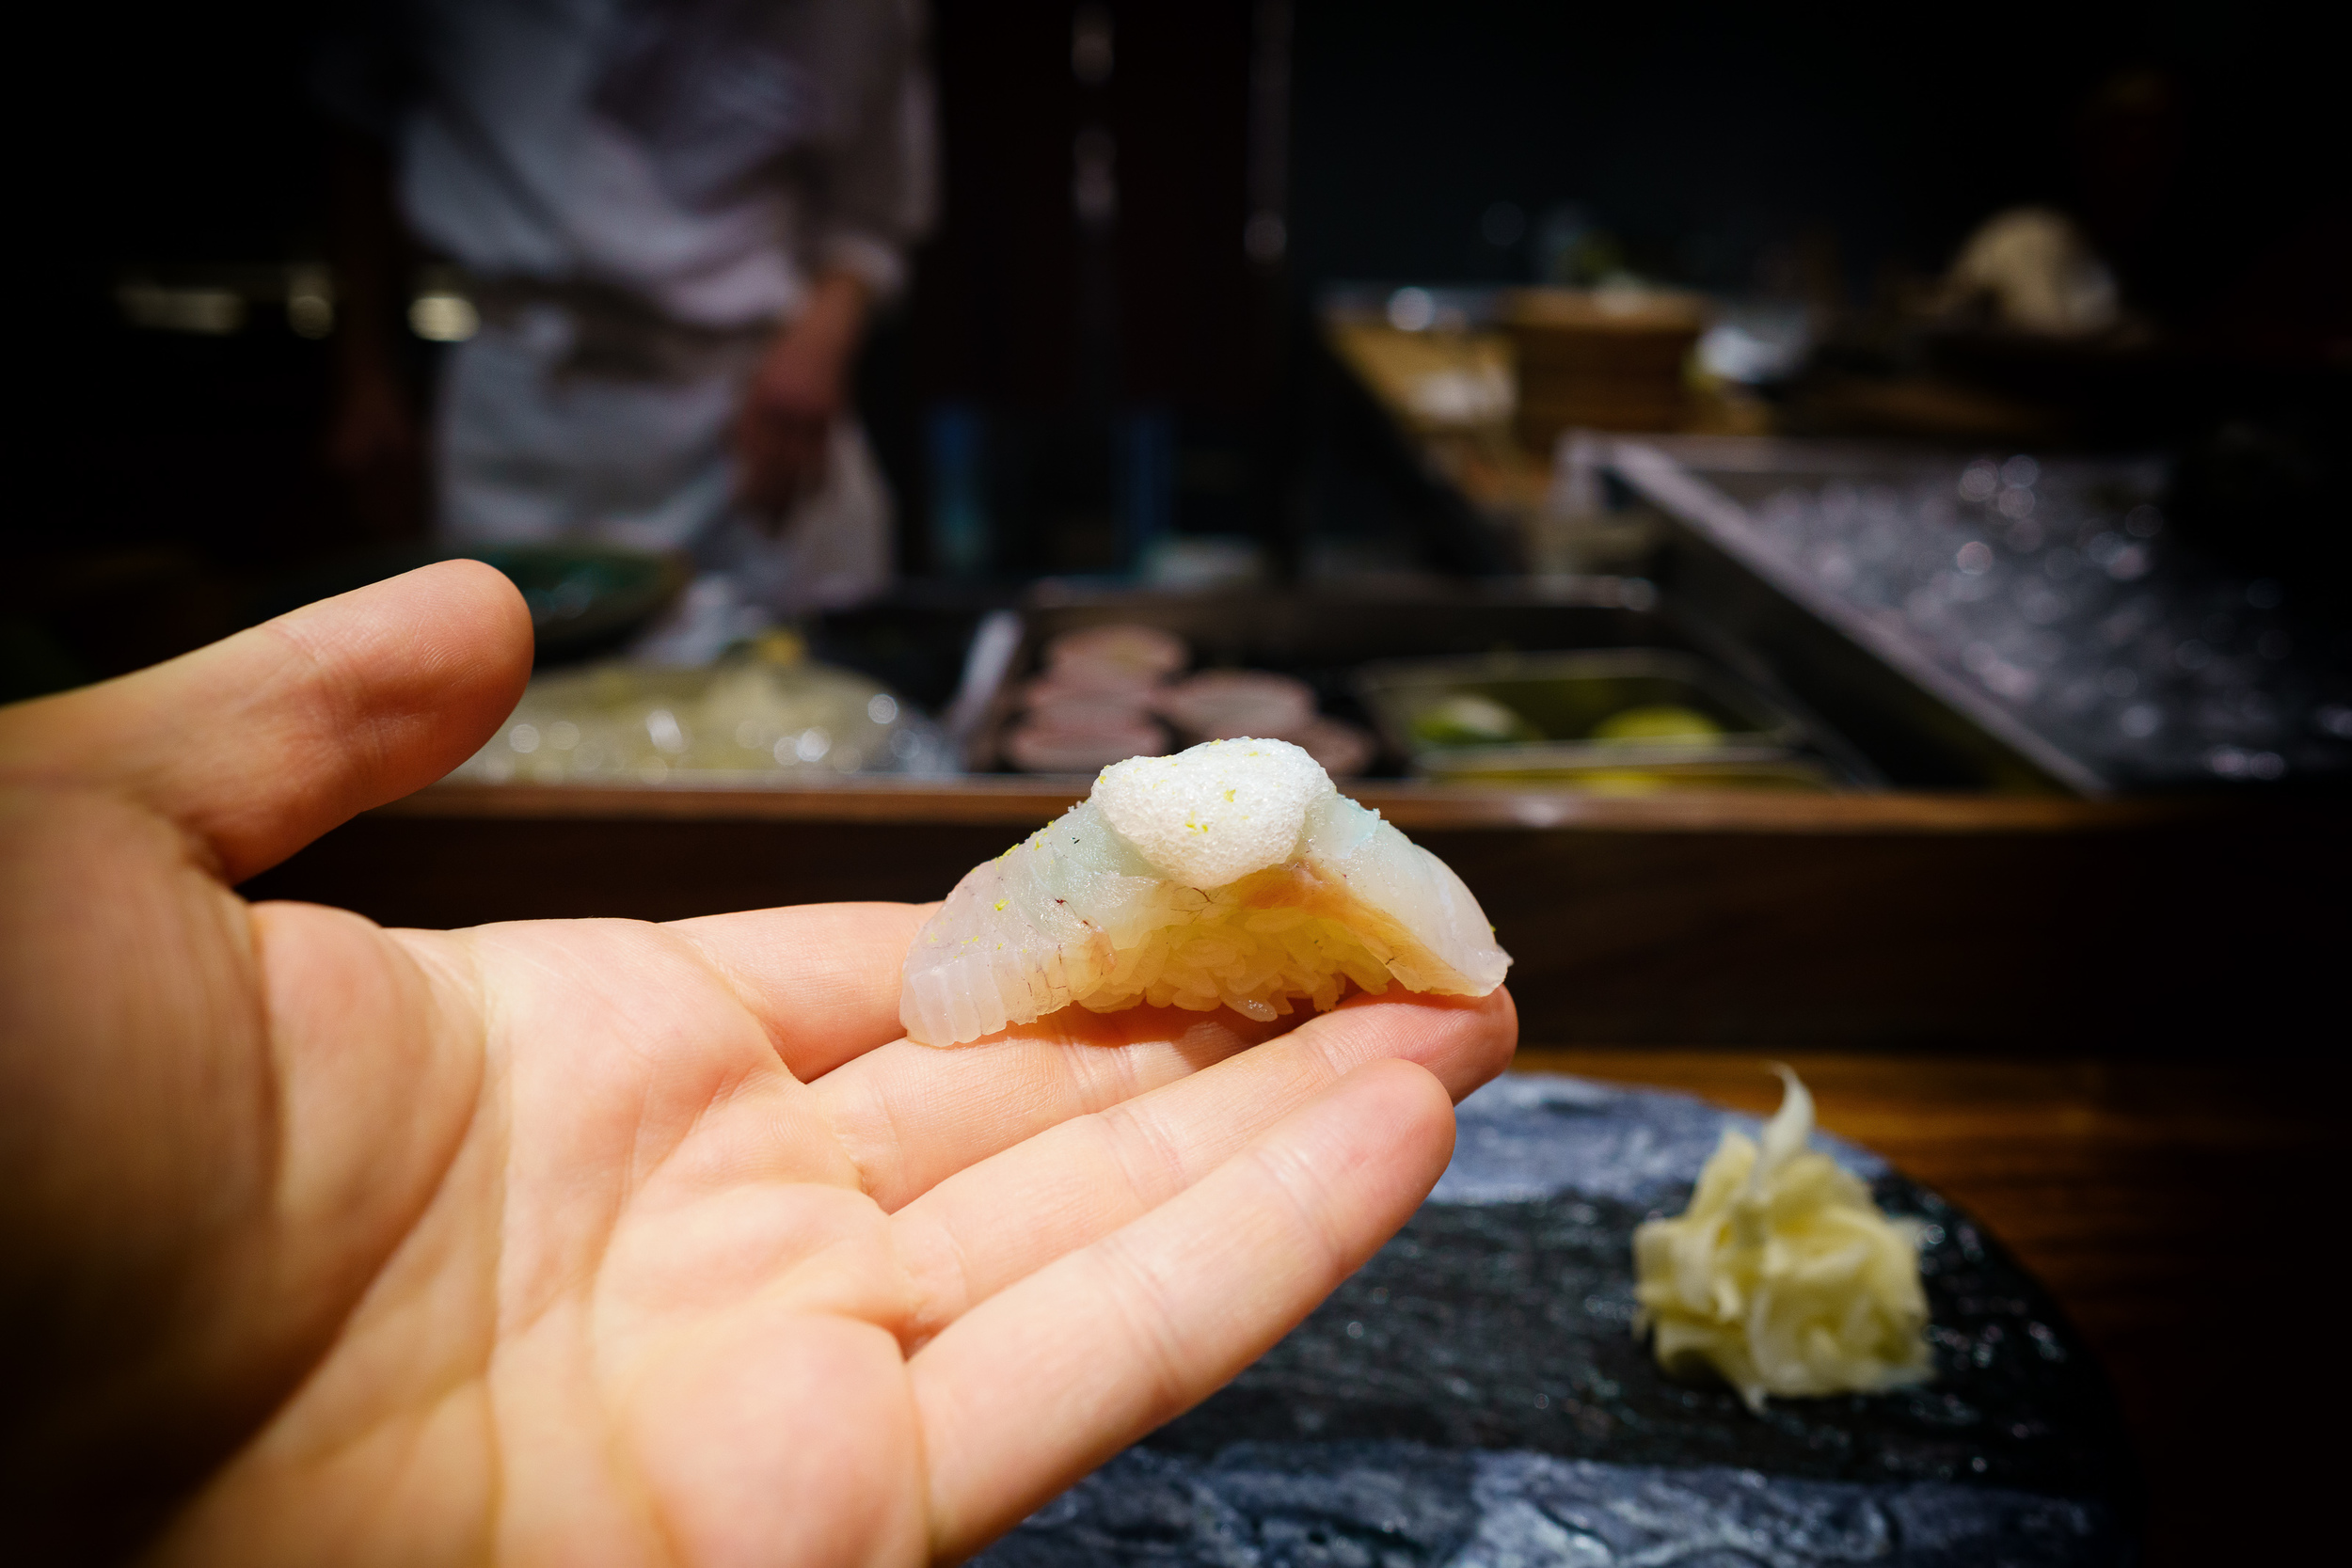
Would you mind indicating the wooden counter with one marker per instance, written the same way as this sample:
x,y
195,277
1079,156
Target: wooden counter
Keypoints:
x,y
1881,921
2180,1214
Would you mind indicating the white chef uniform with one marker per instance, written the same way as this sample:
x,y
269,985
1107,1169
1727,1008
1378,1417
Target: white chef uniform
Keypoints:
x,y
644,188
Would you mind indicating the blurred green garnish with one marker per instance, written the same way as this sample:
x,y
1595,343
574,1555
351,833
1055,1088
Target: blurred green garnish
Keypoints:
x,y
1467,719
1663,721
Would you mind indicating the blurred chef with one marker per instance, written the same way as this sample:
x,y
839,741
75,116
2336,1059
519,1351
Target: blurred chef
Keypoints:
x,y
676,216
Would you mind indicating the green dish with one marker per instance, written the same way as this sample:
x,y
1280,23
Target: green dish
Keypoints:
x,y
1610,719
583,598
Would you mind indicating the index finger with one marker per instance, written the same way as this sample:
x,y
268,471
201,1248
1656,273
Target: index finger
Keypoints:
x,y
822,979
1034,1386
256,745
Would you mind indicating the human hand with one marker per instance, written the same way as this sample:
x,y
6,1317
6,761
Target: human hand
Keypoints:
x,y
589,1240
799,390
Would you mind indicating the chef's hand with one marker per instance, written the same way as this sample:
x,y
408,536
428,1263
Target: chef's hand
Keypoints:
x,y
801,387
588,1240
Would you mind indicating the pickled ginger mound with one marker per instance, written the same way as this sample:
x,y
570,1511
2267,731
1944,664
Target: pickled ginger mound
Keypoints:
x,y
1783,1275
1231,875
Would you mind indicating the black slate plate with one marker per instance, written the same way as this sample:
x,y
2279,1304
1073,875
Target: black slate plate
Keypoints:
x,y
1474,1396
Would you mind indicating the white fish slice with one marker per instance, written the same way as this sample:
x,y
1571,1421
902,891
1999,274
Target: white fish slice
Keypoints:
x,y
1231,875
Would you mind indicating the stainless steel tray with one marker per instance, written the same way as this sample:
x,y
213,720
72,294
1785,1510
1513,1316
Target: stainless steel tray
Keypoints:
x,y
2028,623
1321,638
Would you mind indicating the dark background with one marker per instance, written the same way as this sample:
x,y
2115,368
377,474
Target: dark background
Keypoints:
x,y
1827,154
1836,153
1707,134
1714,139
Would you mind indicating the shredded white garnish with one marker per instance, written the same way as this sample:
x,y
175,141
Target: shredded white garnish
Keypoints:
x,y
1783,1275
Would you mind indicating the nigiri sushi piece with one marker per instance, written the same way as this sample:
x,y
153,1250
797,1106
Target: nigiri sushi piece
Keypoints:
x,y
1231,875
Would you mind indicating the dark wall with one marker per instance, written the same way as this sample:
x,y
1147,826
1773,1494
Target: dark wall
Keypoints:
x,y
171,132
1714,139
1001,311
163,137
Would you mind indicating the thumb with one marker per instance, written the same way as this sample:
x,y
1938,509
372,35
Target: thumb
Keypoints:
x,y
260,743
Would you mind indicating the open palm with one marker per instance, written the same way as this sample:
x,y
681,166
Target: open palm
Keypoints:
x,y
591,1240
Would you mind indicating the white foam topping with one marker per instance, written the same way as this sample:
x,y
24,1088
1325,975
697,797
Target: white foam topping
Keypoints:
x,y
1217,812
